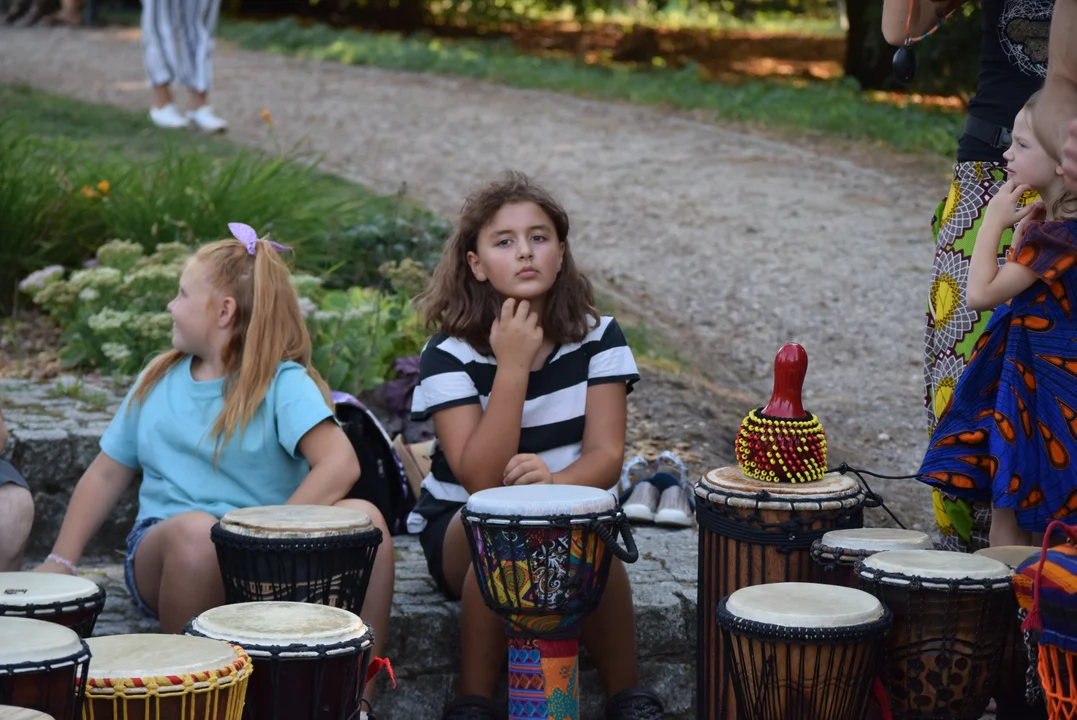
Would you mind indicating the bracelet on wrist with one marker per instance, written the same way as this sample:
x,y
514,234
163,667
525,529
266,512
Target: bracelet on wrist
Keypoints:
x,y
63,561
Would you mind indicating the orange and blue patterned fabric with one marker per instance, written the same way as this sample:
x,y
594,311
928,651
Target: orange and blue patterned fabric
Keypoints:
x,y
1009,437
1058,594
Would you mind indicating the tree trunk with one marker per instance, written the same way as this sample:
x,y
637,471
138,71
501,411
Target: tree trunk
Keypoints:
x,y
868,57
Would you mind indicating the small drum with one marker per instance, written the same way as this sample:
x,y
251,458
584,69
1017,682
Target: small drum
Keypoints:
x,y
750,533
42,667
7,712
839,550
542,554
70,601
950,628
310,661
165,677
1017,676
802,650
299,553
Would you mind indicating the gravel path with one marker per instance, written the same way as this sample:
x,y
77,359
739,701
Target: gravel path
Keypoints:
x,y
731,243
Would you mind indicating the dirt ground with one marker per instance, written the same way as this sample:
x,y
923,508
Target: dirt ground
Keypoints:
x,y
729,241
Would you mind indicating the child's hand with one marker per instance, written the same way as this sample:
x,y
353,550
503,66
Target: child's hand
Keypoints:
x,y
1037,214
516,337
50,566
527,469
1002,211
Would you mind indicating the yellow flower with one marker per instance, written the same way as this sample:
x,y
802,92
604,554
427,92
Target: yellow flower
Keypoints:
x,y
103,186
89,192
267,117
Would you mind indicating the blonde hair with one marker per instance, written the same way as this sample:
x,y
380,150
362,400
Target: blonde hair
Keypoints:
x,y
267,329
1066,204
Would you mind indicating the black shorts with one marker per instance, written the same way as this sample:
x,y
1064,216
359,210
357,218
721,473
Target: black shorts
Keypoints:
x,y
8,474
432,539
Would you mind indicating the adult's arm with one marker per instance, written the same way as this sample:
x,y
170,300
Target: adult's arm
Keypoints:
x,y
1057,107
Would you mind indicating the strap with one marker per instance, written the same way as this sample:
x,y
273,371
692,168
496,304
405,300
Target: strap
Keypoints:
x,y
994,135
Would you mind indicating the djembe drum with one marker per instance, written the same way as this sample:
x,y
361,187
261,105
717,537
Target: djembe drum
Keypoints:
x,y
799,651
9,712
542,555
42,667
1047,586
165,677
298,553
309,661
839,550
950,627
750,533
70,601
1017,680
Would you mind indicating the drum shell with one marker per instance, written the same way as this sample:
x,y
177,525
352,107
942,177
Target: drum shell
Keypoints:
x,y
79,615
781,673
727,564
944,653
56,689
330,570
224,703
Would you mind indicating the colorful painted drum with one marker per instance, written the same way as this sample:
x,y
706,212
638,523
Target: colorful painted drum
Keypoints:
x,y
165,677
802,650
42,667
1018,682
542,555
310,661
751,533
70,601
839,550
297,553
944,653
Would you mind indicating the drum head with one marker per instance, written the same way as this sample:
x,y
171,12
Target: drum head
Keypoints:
x,y
542,501
142,656
730,486
28,589
935,565
260,625
23,640
7,712
877,539
296,521
1010,555
804,605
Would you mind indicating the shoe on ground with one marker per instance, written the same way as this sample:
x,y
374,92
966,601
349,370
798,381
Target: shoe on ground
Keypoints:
x,y
642,502
634,705
168,117
206,120
473,707
673,508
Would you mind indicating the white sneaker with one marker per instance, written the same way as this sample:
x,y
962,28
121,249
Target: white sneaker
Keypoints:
x,y
673,508
642,503
168,117
206,120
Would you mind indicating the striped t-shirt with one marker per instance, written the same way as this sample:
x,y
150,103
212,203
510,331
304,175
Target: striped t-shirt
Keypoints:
x,y
453,374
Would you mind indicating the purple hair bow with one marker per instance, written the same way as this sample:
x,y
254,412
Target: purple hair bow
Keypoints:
x,y
246,235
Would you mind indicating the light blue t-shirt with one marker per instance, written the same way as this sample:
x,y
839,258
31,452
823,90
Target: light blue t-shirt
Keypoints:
x,y
170,437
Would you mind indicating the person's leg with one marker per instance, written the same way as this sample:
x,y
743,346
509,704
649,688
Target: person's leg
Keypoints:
x,y
609,634
176,570
1005,530
16,519
198,39
378,604
159,48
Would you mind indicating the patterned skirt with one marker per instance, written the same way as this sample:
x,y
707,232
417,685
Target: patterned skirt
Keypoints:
x,y
952,329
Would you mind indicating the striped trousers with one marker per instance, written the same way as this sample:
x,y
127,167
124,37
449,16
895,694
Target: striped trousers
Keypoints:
x,y
177,41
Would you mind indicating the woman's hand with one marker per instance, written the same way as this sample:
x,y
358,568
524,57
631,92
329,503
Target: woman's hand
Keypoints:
x,y
527,469
1002,211
516,337
51,566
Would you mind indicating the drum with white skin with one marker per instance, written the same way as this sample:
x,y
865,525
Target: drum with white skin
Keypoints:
x,y
839,550
42,667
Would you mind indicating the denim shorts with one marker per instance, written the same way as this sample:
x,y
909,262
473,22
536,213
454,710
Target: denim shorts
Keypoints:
x,y
133,539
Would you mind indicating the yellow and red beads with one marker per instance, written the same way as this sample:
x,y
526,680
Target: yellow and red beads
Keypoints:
x,y
781,450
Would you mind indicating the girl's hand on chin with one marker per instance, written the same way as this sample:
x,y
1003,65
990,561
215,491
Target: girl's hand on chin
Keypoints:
x,y
516,337
527,469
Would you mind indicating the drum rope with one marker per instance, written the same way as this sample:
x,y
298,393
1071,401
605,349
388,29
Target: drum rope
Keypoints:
x,y
873,498
789,535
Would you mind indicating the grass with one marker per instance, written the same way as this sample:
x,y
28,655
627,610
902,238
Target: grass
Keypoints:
x,y
833,108
648,346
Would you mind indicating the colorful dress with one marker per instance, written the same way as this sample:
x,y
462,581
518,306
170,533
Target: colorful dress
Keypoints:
x,y
1009,437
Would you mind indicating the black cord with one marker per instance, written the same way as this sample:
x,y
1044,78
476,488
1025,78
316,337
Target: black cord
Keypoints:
x,y
873,498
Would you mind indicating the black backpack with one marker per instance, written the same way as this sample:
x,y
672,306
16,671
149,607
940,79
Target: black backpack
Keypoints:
x,y
382,481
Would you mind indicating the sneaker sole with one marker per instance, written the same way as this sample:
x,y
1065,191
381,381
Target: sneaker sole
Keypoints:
x,y
638,513
672,517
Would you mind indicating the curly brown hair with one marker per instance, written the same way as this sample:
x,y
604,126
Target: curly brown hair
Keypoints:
x,y
458,303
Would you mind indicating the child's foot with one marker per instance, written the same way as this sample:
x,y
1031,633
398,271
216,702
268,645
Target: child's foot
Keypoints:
x,y
675,503
634,705
206,120
473,707
168,117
